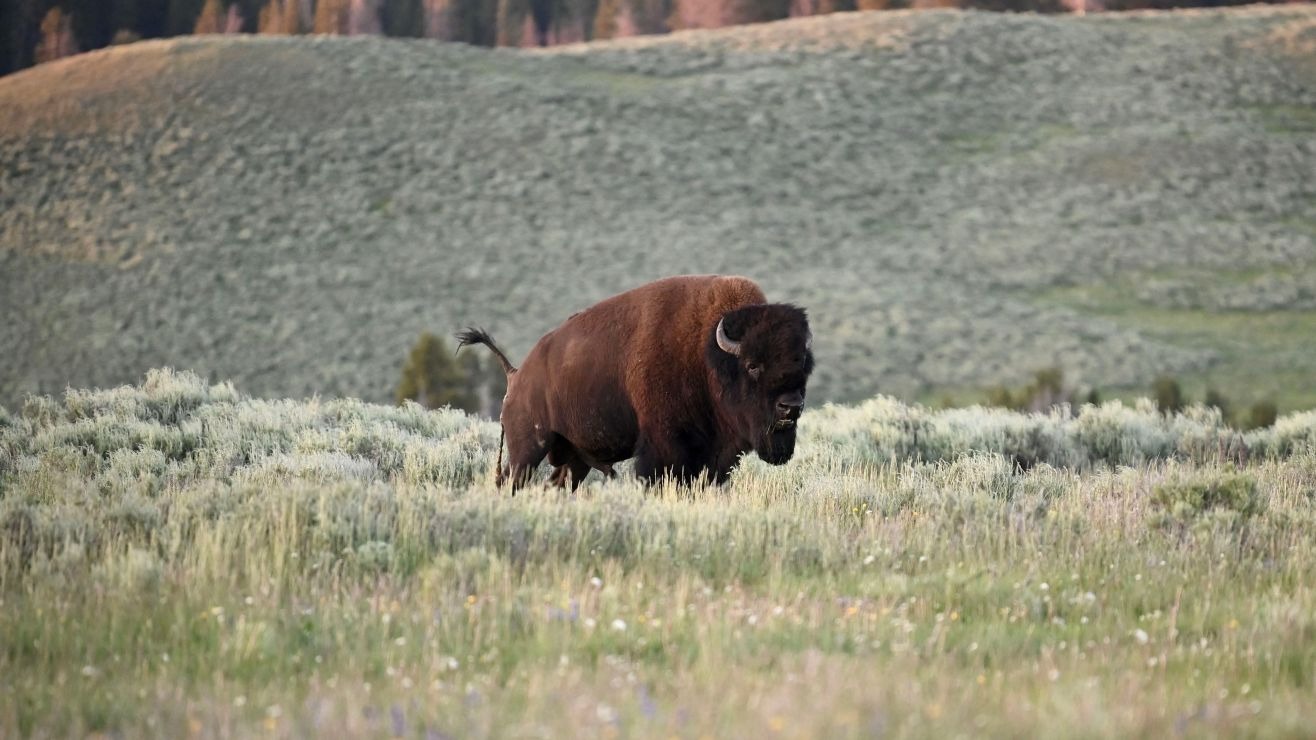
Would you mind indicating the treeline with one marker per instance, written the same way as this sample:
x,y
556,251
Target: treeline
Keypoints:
x,y
33,31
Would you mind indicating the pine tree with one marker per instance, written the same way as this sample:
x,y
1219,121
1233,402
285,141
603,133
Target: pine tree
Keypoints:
x,y
282,17
330,17
20,33
515,23
211,20
57,39
270,19
432,377
402,17
182,16
363,18
621,18
292,20
233,20
93,22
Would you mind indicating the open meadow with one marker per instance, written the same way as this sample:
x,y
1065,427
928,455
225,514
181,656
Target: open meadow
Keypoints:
x,y
180,560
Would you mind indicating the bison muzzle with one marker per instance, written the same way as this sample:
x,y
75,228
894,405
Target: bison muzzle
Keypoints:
x,y
684,374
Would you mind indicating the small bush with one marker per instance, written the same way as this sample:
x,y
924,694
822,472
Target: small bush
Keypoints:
x,y
1216,400
1047,391
1168,394
1262,415
1185,500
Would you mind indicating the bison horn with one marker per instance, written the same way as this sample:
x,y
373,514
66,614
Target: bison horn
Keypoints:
x,y
723,341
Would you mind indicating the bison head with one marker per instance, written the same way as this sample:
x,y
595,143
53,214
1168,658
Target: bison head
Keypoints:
x,y
762,358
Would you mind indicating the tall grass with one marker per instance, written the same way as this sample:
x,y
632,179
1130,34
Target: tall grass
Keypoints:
x,y
179,559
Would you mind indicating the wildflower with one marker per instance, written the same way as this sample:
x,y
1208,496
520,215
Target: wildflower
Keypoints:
x,y
1140,636
619,625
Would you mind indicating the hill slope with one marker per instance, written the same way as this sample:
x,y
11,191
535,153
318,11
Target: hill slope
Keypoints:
x,y
958,198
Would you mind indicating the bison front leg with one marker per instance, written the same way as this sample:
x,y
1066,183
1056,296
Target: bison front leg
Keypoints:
x,y
668,460
572,472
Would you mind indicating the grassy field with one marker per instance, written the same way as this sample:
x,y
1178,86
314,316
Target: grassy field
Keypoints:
x,y
1260,353
291,213
178,560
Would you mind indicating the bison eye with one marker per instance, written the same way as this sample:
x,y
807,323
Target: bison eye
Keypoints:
x,y
753,368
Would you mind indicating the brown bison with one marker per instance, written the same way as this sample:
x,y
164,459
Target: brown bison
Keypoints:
x,y
684,374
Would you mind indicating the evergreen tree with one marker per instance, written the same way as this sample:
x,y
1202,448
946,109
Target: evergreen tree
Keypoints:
x,y
93,22
20,32
468,21
510,20
127,16
283,17
270,18
147,18
233,20
363,17
57,40
403,17
181,16
250,12
211,20
330,17
432,377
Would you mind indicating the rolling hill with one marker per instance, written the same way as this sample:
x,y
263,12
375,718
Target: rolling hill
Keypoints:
x,y
959,198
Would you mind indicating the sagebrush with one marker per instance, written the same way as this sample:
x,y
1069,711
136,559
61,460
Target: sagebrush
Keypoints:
x,y
178,558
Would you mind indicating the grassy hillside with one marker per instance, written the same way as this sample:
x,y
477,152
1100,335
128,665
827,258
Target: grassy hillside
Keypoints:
x,y
958,198
180,559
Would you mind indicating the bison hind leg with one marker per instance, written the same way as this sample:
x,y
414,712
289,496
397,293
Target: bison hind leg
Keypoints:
x,y
524,453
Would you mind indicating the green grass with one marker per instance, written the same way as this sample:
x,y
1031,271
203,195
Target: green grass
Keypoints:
x,y
1288,119
332,567
1260,354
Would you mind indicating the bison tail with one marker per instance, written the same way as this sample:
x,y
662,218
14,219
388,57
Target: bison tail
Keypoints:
x,y
480,336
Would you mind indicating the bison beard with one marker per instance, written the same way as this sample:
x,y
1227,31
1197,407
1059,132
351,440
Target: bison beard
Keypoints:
x,y
684,374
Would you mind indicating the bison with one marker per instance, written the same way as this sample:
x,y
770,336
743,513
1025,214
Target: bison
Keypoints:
x,y
684,374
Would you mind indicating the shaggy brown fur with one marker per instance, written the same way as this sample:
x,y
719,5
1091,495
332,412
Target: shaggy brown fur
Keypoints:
x,y
643,374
